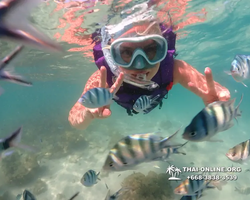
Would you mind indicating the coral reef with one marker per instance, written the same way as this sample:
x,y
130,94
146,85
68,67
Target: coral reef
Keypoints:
x,y
153,186
18,166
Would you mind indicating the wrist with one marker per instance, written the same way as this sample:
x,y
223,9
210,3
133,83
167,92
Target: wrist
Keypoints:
x,y
87,114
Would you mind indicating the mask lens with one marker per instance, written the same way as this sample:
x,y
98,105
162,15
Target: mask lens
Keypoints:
x,y
124,51
151,50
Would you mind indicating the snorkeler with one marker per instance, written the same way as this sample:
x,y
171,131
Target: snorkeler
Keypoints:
x,y
136,58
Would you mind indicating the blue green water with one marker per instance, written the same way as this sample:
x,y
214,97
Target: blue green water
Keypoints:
x,y
66,153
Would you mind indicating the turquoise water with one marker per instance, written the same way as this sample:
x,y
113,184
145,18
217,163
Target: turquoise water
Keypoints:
x,y
66,153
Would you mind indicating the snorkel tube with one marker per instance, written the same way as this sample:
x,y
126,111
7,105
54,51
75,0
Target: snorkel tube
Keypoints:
x,y
114,31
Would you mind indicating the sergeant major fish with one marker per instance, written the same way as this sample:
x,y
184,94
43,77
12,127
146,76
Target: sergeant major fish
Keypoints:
x,y
144,102
191,187
165,153
90,178
215,117
136,149
240,152
97,97
240,68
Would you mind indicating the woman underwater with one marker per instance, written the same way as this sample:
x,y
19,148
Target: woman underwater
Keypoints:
x,y
136,58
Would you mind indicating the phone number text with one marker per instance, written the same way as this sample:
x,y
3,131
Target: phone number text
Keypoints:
x,y
213,177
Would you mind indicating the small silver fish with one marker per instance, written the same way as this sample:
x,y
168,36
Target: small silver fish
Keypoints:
x,y
12,140
240,68
90,178
245,191
136,149
26,195
74,196
96,98
6,75
21,30
144,102
215,117
239,152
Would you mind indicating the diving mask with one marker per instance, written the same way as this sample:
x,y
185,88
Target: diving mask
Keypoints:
x,y
127,52
110,32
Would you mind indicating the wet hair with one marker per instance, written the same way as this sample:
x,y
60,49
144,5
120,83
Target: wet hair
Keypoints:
x,y
142,28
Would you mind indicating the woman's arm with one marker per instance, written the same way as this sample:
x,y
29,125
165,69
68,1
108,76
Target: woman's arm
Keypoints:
x,y
79,116
203,86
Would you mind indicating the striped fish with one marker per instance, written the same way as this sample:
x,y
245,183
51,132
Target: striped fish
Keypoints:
x,y
90,178
136,149
239,152
215,117
144,102
196,196
96,98
245,191
240,68
191,187
165,153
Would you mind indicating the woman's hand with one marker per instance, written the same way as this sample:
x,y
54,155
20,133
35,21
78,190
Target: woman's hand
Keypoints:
x,y
214,91
104,111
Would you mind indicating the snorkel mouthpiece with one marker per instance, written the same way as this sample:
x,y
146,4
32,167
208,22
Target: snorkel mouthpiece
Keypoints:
x,y
140,81
141,76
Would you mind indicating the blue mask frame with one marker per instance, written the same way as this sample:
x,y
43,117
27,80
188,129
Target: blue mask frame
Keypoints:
x,y
139,59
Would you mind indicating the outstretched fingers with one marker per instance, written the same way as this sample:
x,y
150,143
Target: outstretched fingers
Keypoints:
x,y
115,87
210,81
103,77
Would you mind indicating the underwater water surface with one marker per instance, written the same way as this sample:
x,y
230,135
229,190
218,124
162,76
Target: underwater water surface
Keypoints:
x,y
210,33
